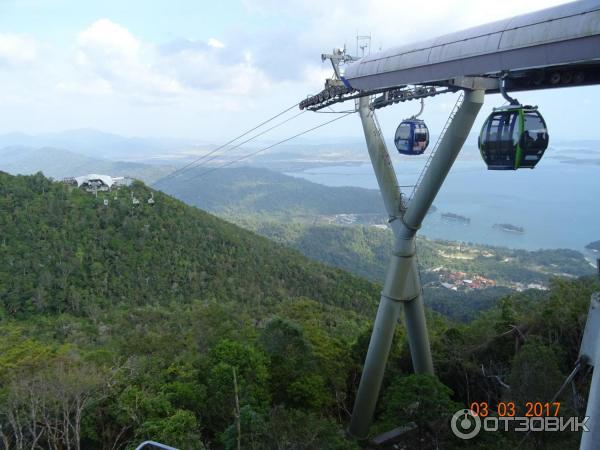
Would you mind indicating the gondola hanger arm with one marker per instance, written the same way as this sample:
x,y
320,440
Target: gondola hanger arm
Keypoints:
x,y
420,111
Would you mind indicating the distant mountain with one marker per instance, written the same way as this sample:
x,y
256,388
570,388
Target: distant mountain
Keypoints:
x,y
594,246
59,163
94,143
249,190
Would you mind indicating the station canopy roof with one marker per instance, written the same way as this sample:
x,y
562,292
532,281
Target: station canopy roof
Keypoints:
x,y
560,36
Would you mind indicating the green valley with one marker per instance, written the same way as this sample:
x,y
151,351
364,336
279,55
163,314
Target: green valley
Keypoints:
x,y
459,279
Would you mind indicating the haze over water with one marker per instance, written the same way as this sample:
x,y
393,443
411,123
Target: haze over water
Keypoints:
x,y
557,203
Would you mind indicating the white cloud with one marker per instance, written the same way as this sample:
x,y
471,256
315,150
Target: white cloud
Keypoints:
x,y
119,60
214,43
214,86
109,38
16,49
85,86
204,69
147,73
314,75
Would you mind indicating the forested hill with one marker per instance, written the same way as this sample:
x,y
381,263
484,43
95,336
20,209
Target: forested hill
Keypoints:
x,y
124,323
250,190
63,250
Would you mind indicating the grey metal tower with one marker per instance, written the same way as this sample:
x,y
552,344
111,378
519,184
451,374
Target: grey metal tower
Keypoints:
x,y
552,48
402,287
590,354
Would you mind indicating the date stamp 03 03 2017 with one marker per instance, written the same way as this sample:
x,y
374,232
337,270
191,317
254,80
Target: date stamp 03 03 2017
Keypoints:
x,y
537,416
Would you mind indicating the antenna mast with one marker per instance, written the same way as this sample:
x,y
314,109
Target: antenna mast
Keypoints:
x,y
363,42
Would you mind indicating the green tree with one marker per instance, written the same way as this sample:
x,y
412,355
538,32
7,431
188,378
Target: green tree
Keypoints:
x,y
295,379
421,399
252,379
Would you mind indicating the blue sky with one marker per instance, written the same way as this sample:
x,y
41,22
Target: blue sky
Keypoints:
x,y
208,70
59,20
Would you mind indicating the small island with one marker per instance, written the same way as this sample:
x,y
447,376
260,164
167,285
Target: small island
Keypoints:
x,y
456,218
593,246
509,228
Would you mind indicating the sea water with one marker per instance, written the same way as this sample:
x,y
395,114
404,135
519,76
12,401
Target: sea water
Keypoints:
x,y
557,203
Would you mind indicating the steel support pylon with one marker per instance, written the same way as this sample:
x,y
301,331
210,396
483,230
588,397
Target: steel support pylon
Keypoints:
x,y
590,354
402,287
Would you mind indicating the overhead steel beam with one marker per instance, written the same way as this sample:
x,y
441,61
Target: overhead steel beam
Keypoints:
x,y
538,47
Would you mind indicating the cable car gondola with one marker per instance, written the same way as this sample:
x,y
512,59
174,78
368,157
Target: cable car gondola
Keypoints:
x,y
513,137
412,135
